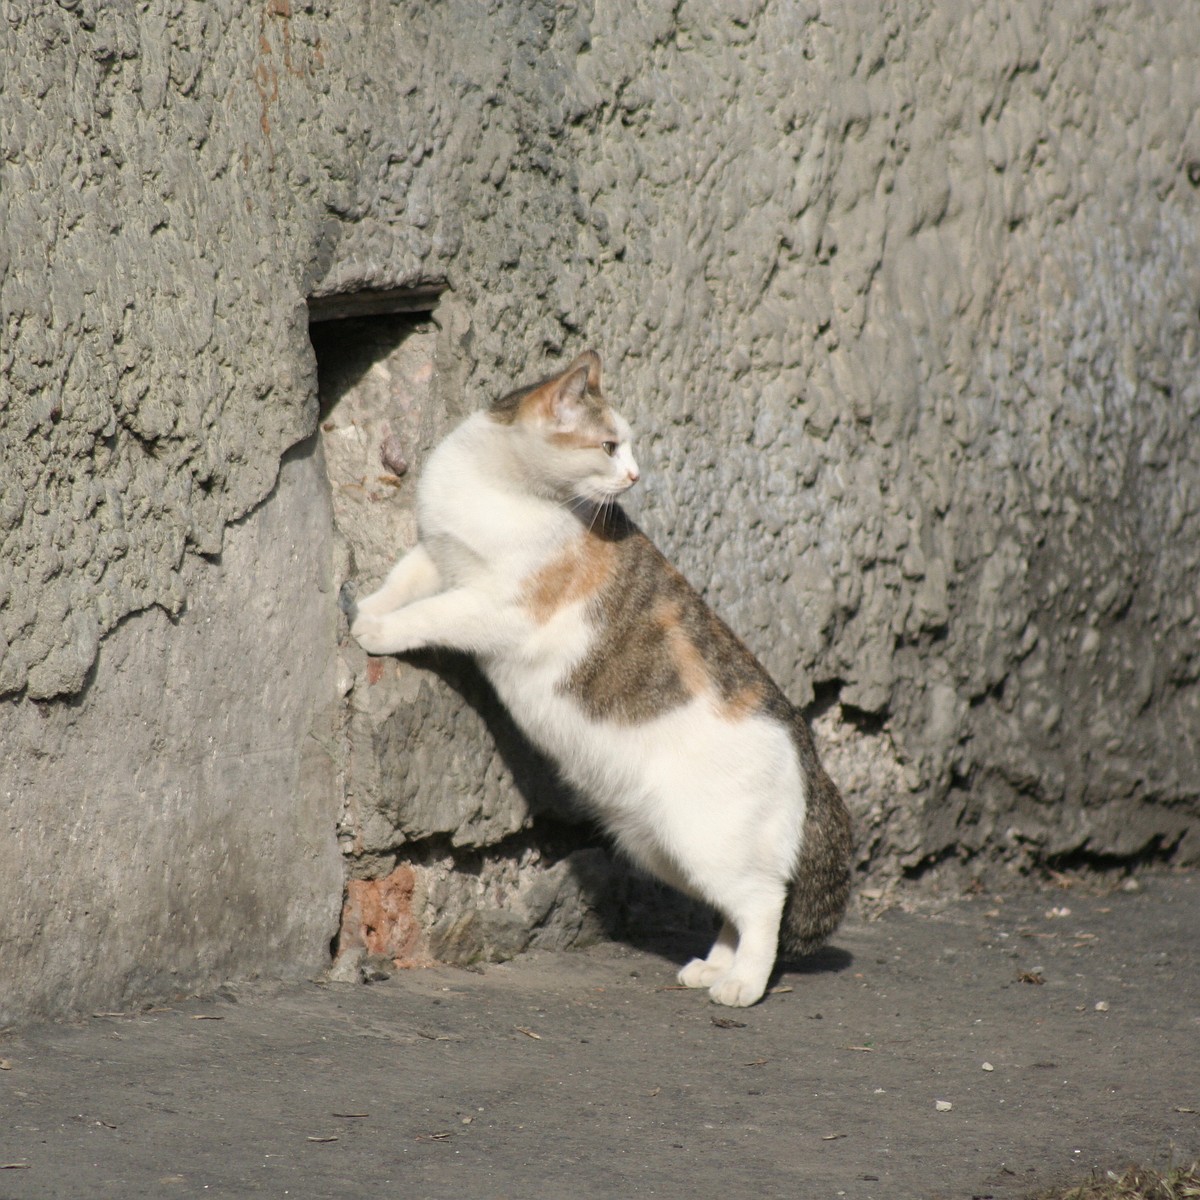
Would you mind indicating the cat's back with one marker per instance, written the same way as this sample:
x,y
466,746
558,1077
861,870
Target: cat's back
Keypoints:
x,y
655,645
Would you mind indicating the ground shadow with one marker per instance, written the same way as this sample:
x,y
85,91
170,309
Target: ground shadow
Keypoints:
x,y
633,908
829,960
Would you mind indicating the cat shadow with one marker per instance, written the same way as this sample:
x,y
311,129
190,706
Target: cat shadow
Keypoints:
x,y
632,907
828,960
535,776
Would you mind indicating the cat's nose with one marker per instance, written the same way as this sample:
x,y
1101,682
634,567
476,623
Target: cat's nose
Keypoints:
x,y
634,475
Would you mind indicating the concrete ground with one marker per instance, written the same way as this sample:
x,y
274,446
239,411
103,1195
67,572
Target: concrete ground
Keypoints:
x,y
986,1046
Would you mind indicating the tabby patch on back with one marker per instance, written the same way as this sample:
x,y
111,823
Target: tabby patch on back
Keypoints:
x,y
689,754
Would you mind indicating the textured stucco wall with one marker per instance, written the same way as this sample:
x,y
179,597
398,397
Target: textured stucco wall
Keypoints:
x,y
902,306
915,319
171,177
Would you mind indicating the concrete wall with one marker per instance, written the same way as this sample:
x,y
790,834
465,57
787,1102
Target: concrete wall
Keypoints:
x,y
171,825
902,306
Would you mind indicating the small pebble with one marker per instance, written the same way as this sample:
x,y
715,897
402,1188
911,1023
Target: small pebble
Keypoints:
x,y
375,968
943,1105
988,1067
391,455
1102,1006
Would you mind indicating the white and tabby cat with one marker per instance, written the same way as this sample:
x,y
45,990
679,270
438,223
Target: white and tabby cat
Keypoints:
x,y
609,661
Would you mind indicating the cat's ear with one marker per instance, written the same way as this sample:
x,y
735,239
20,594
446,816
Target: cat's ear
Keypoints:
x,y
566,398
591,360
567,394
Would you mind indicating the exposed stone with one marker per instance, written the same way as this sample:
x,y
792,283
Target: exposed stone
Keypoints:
x,y
378,917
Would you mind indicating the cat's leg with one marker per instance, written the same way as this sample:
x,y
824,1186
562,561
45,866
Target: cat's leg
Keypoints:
x,y
414,577
756,917
704,972
700,972
459,619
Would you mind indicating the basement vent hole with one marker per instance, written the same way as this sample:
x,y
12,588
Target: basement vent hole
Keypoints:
x,y
375,372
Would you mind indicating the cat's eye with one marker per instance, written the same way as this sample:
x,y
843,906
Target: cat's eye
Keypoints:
x,y
609,448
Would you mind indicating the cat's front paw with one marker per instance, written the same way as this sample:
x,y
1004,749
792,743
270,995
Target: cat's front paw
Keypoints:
x,y
370,633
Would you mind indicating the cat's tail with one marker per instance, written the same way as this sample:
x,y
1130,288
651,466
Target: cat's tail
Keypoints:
x,y
820,887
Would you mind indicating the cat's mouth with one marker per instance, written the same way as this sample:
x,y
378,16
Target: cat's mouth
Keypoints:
x,y
604,494
616,489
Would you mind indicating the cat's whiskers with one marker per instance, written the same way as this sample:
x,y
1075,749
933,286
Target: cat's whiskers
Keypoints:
x,y
597,509
584,507
602,509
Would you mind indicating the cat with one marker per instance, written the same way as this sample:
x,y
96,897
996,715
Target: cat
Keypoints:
x,y
690,756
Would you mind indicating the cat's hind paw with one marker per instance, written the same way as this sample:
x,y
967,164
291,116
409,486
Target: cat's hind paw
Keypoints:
x,y
737,992
700,973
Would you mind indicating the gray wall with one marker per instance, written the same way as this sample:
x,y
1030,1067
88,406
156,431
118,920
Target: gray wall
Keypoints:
x,y
171,825
902,307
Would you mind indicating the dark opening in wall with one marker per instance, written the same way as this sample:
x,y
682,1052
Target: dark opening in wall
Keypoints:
x,y
375,368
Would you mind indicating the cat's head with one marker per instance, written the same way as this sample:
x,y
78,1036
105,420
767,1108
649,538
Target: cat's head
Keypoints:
x,y
571,443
